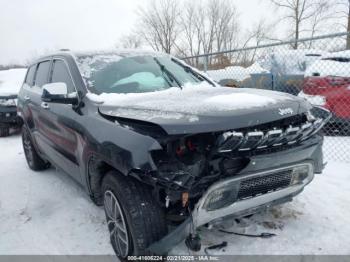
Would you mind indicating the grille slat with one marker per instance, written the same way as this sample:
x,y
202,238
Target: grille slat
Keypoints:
x,y
264,184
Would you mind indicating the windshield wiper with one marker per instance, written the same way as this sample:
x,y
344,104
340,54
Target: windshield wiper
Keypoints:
x,y
190,70
168,73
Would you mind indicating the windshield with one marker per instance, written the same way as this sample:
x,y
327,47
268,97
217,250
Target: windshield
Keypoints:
x,y
136,74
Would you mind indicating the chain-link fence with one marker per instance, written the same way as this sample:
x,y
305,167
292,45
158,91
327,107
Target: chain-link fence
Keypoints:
x,y
319,71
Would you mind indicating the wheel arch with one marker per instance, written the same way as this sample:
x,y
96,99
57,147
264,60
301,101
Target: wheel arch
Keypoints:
x,y
96,170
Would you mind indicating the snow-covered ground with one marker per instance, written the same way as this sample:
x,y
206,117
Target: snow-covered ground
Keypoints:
x,y
48,213
337,149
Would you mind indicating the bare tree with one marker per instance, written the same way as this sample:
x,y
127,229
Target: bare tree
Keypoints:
x,y
343,12
159,24
260,32
209,26
323,13
226,27
131,40
301,12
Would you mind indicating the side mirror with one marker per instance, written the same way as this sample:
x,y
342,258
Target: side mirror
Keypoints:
x,y
58,93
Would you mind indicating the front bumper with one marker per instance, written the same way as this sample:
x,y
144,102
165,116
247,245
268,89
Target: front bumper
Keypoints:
x,y
8,116
203,215
308,154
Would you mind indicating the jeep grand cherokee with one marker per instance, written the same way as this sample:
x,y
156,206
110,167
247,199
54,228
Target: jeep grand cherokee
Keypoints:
x,y
161,146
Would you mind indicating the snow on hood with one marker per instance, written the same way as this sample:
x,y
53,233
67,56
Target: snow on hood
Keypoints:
x,y
192,99
329,68
11,81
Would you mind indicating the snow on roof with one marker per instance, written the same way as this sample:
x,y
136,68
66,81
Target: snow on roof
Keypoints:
x,y
340,54
116,51
328,68
293,62
11,80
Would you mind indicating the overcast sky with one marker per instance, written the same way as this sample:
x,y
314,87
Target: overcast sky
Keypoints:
x,y
30,27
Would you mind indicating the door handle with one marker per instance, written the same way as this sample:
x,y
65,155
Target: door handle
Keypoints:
x,y
45,105
26,98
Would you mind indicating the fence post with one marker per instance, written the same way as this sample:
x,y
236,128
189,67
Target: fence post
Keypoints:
x,y
206,63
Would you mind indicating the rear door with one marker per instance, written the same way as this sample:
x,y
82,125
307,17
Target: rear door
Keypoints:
x,y
57,127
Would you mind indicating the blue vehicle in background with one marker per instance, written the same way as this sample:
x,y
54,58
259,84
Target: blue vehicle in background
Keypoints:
x,y
280,71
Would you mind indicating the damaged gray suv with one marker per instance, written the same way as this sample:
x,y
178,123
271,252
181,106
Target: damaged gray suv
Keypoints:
x,y
161,146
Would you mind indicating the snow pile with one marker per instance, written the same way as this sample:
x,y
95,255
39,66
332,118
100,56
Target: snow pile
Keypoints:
x,y
191,99
237,73
256,69
48,213
11,80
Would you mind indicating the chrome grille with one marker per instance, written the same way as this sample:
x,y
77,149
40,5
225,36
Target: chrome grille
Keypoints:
x,y
241,141
264,184
251,140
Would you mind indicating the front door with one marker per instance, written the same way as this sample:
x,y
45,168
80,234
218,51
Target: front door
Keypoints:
x,y
58,125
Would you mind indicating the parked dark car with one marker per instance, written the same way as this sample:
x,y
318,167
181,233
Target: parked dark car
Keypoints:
x,y
8,114
164,149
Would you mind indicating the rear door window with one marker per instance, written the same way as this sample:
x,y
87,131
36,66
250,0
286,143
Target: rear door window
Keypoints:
x,y
30,75
60,73
42,73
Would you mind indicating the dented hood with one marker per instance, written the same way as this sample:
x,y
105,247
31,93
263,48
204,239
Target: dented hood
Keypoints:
x,y
203,110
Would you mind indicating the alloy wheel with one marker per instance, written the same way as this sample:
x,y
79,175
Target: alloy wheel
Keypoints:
x,y
116,224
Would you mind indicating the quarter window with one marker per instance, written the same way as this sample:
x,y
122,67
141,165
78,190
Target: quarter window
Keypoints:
x,y
60,73
42,73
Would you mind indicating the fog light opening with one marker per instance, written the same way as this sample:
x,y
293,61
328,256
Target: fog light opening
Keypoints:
x,y
221,197
300,173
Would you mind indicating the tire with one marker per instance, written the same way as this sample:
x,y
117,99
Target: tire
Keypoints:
x,y
141,217
4,131
35,162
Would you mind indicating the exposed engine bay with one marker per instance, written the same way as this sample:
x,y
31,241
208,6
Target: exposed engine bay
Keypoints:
x,y
188,165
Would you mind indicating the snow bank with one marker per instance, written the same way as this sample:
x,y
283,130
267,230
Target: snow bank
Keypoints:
x,y
237,73
11,80
194,99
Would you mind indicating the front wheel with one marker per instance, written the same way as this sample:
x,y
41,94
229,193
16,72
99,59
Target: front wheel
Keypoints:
x,y
134,218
